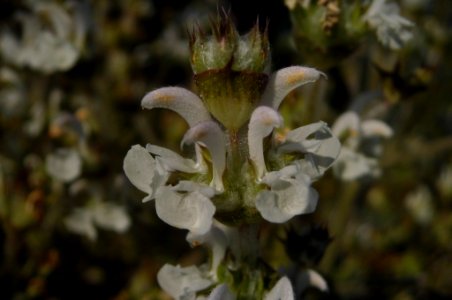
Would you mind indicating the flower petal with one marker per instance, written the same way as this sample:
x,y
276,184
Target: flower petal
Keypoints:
x,y
191,186
140,168
284,81
80,221
182,283
281,291
217,240
64,164
287,198
180,100
171,160
375,128
307,278
210,135
263,120
192,211
347,122
321,151
352,165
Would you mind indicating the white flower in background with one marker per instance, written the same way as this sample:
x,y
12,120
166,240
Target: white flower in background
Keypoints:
x,y
309,278
12,93
393,31
52,37
419,204
361,144
64,164
182,283
100,214
444,181
281,291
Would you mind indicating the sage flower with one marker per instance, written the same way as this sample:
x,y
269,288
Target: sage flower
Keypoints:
x,y
64,164
105,215
361,145
278,194
393,30
52,38
182,282
281,291
241,172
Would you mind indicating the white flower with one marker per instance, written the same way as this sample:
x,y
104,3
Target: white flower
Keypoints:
x,y
104,215
191,210
182,283
218,242
278,195
64,164
51,40
289,196
80,221
281,291
392,30
419,204
361,144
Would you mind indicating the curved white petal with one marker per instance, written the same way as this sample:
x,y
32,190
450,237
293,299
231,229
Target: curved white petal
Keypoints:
x,y
217,241
287,198
309,277
210,135
281,291
321,150
287,172
182,283
192,211
171,160
191,186
284,81
263,120
140,168
376,128
180,100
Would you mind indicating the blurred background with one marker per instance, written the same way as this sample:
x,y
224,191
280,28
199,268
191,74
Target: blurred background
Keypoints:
x,y
72,76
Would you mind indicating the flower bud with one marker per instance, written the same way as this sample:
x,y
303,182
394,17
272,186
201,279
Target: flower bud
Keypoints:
x,y
230,70
327,31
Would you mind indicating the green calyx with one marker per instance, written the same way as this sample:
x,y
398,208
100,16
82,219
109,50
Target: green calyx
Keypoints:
x,y
230,96
230,70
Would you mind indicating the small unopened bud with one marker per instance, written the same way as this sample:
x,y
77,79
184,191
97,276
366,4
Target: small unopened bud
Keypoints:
x,y
213,52
252,53
230,70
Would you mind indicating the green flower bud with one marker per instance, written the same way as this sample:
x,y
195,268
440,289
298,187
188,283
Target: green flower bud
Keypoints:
x,y
230,71
251,54
213,52
327,31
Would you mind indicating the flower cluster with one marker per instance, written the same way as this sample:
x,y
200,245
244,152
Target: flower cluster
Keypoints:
x,y
240,172
52,37
327,31
392,30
